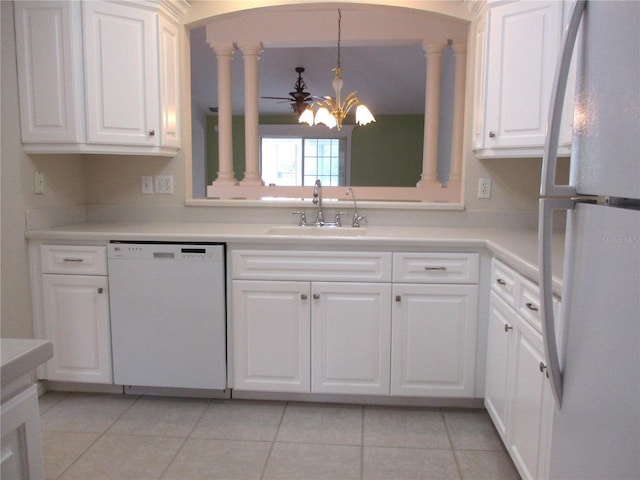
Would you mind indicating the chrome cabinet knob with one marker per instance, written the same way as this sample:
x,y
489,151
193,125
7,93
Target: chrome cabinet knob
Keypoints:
x,y
507,327
152,133
492,134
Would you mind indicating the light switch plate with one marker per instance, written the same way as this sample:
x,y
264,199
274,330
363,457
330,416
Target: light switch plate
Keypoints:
x,y
164,183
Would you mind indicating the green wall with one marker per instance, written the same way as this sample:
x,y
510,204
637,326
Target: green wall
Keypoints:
x,y
385,153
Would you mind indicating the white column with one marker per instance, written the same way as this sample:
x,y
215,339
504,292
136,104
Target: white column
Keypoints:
x,y
431,112
224,55
250,54
458,113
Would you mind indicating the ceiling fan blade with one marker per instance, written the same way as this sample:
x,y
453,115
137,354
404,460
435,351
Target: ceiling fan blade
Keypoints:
x,y
278,98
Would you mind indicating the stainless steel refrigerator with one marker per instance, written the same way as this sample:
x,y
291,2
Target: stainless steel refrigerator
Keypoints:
x,y
593,350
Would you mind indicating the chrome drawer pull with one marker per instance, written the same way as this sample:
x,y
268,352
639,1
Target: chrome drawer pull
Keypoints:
x,y
438,269
398,298
100,290
507,327
303,296
531,307
75,260
316,296
501,282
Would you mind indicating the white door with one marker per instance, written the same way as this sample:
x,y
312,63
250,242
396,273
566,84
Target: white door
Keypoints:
x,y
351,338
271,335
76,319
524,40
499,350
121,66
434,340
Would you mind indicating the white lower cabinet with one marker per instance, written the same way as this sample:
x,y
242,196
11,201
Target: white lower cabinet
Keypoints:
x,y
76,313
21,452
434,340
531,404
271,335
434,324
322,337
335,323
517,394
351,338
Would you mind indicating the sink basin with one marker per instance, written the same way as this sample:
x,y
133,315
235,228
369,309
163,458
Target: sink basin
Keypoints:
x,y
313,231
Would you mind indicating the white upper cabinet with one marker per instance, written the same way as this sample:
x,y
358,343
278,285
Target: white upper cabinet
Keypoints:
x,y
518,44
98,77
49,71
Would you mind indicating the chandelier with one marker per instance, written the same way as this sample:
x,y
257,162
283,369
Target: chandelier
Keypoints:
x,y
331,111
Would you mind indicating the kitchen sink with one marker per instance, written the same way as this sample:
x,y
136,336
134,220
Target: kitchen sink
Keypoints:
x,y
316,231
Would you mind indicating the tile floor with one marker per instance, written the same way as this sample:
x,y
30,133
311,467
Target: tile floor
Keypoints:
x,y
118,437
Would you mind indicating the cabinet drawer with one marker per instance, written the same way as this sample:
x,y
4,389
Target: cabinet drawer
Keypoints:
x,y
435,267
306,265
529,303
505,282
74,259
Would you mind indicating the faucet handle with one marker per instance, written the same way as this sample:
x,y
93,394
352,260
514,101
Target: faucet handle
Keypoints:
x,y
338,215
303,217
357,218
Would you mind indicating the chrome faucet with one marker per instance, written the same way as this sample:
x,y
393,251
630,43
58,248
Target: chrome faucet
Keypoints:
x,y
357,218
317,200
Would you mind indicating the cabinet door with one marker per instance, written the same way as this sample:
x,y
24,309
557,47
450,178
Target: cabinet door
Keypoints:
x,y
49,61
21,451
271,336
434,340
524,40
498,373
530,402
121,68
76,318
169,65
351,338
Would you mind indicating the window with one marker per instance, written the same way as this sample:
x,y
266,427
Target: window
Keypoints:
x,y
298,155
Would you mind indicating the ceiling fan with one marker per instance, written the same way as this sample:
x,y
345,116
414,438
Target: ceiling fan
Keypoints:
x,y
299,99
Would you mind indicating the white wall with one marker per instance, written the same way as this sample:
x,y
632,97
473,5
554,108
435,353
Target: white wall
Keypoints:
x,y
110,187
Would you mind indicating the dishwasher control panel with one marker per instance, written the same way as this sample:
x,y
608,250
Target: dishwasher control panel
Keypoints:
x,y
163,251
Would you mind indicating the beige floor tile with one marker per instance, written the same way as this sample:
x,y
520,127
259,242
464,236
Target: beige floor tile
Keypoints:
x,y
471,430
125,457
327,424
161,416
49,399
293,461
85,413
240,420
61,449
486,465
381,463
204,459
393,427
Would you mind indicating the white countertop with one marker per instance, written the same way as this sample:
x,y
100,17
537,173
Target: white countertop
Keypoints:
x,y
19,356
518,248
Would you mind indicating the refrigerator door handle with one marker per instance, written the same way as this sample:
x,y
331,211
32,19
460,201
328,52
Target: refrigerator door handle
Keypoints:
x,y
550,155
545,231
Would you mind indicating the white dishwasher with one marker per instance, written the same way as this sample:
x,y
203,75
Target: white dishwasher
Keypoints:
x,y
168,314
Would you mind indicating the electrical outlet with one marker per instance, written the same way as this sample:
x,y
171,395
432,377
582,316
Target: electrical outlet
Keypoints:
x,y
484,187
38,183
147,184
164,183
